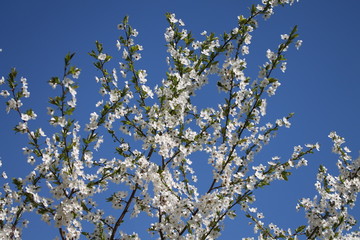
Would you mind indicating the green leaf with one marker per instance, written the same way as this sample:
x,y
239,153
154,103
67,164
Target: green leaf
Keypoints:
x,y
93,54
69,111
68,57
126,20
99,46
109,199
300,229
97,65
83,205
272,80
294,30
134,48
285,175
17,183
253,9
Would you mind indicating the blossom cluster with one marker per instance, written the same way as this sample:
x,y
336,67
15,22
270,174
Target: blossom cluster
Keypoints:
x,y
157,133
328,213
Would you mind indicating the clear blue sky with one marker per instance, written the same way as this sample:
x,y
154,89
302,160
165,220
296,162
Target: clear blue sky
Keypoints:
x,y
321,84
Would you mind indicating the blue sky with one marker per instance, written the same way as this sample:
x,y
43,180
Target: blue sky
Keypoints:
x,y
321,83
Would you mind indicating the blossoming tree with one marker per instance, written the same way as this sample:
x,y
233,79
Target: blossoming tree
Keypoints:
x,y
157,131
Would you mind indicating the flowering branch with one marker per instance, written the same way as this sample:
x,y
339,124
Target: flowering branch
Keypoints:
x,y
154,173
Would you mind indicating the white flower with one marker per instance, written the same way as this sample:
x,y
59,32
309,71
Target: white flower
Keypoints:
x,y
298,44
99,141
122,65
244,50
137,56
284,36
50,111
25,117
31,160
270,55
124,146
99,103
121,26
12,104
169,34
247,39
77,73
172,18
142,76
147,90
286,122
125,54
93,122
123,73
5,93
102,56
102,91
134,32
41,132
